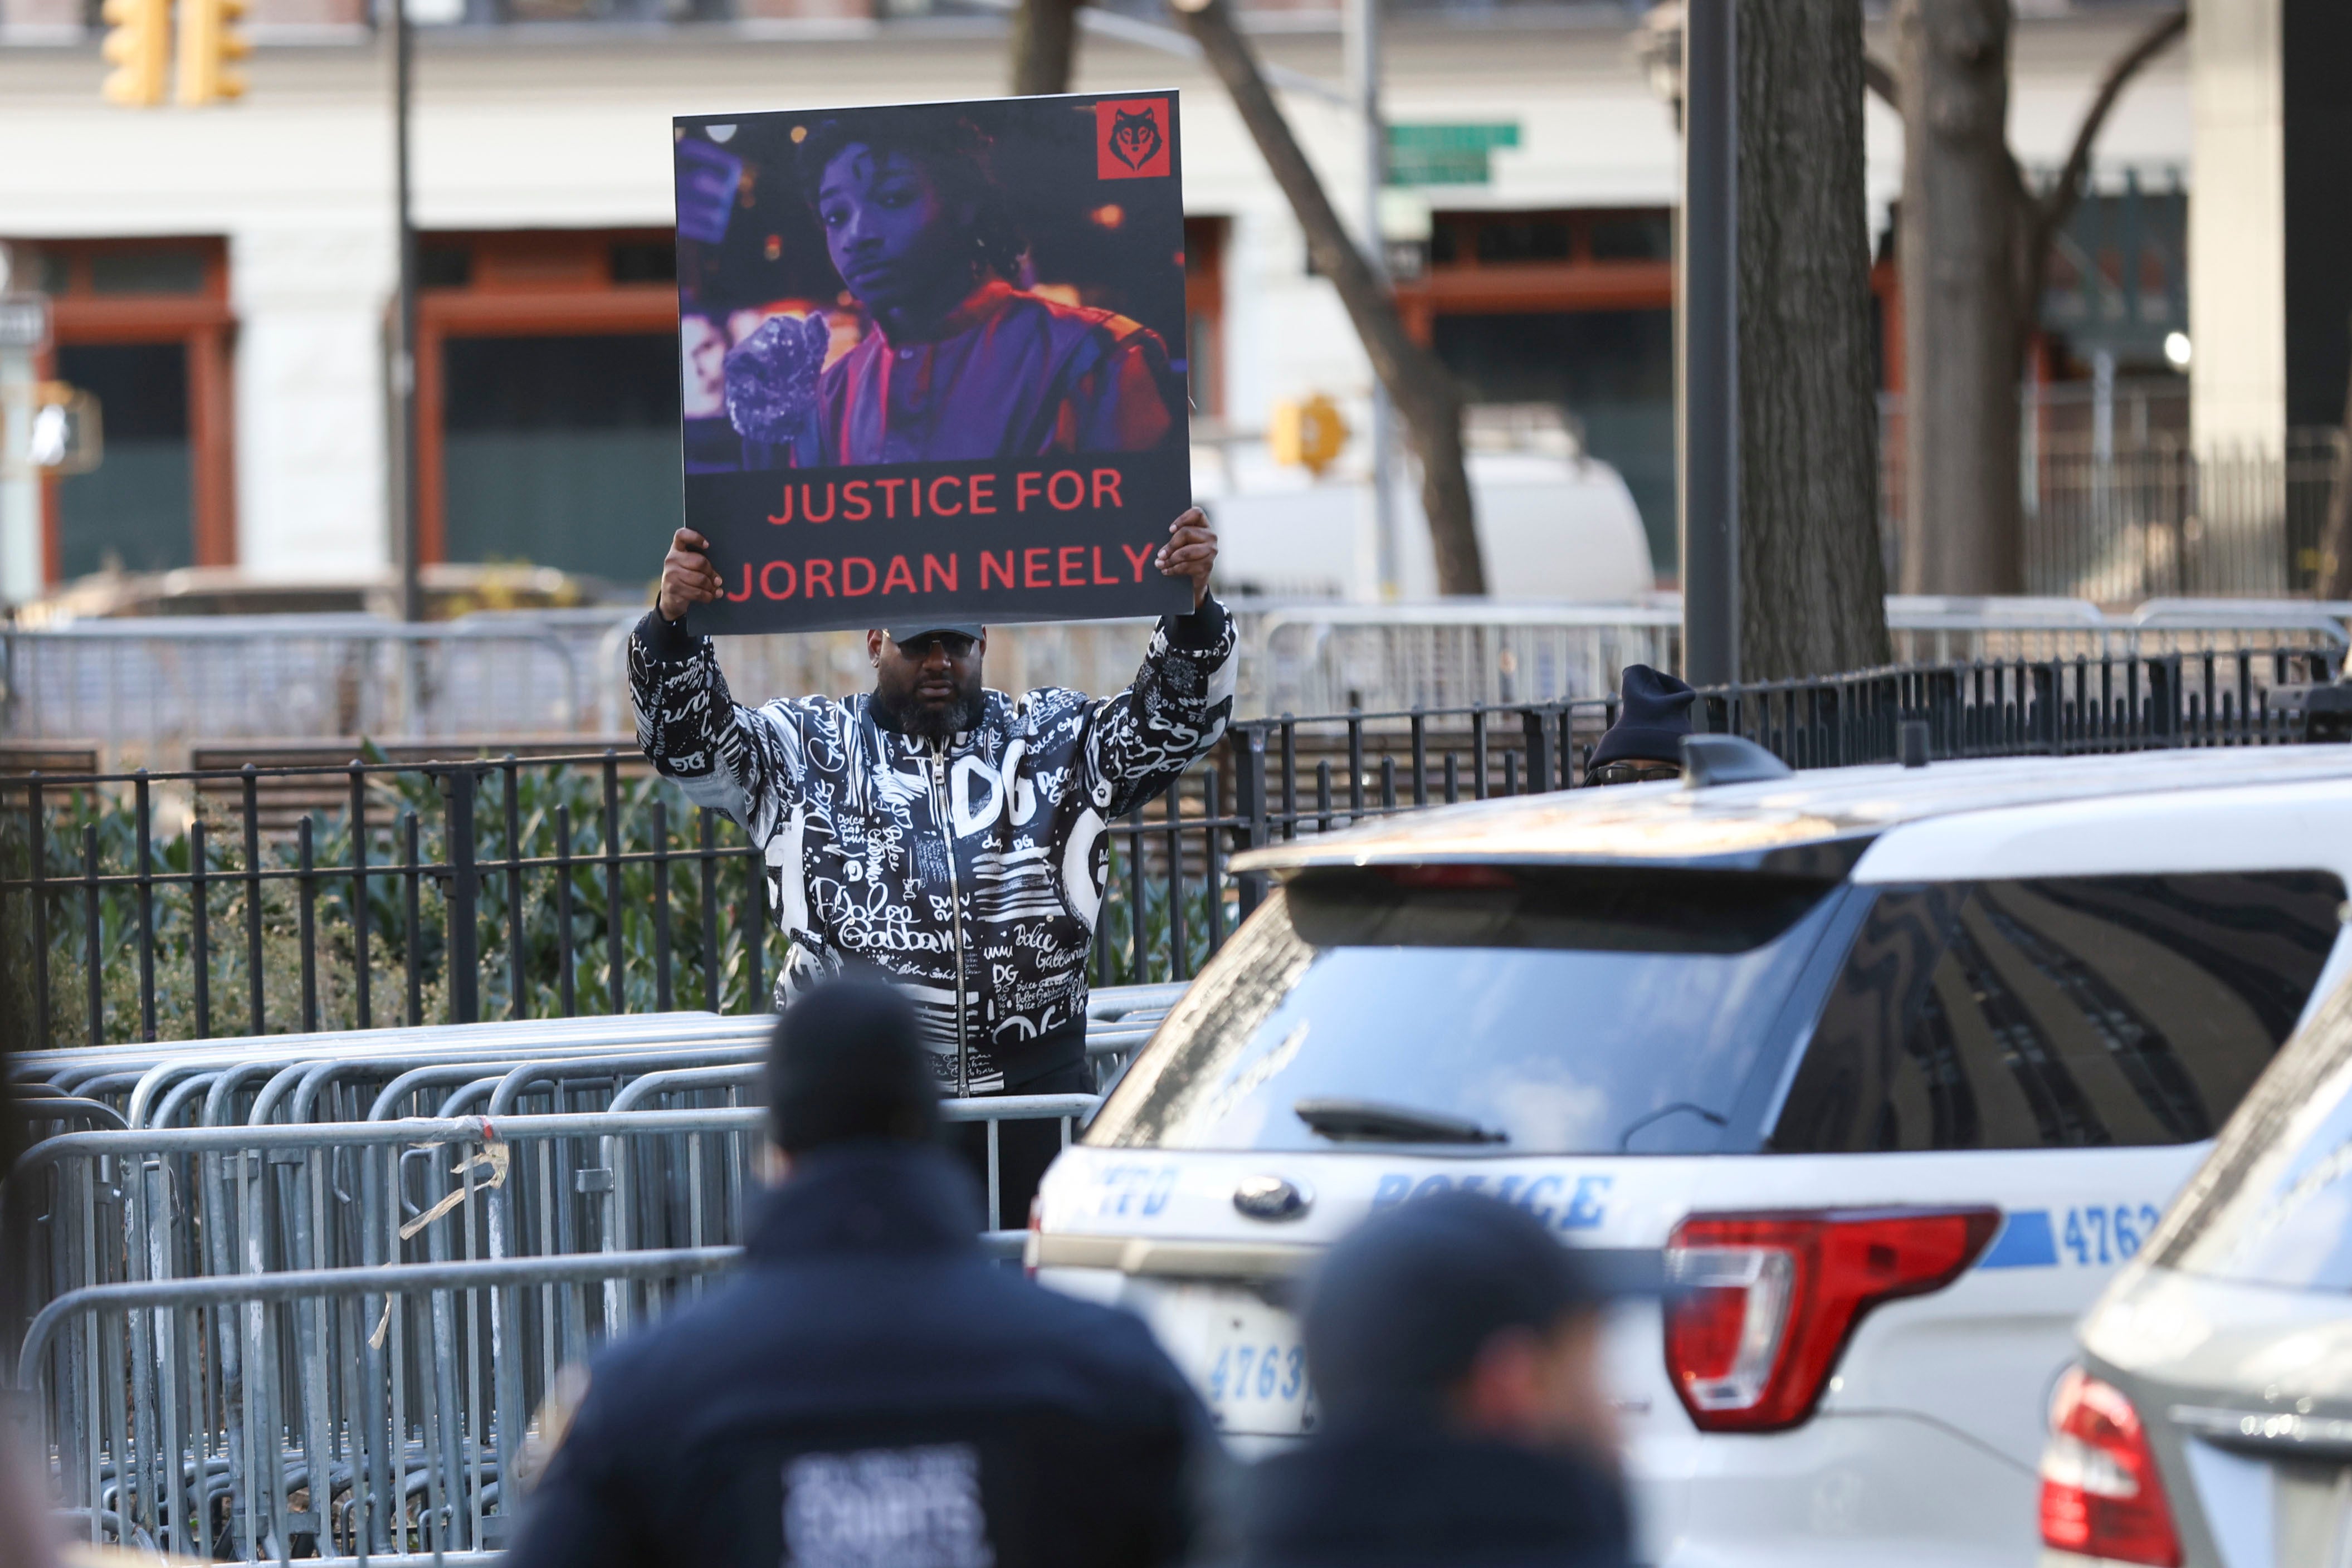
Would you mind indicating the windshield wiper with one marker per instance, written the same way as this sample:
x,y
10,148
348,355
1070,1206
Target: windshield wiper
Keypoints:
x,y
1371,1122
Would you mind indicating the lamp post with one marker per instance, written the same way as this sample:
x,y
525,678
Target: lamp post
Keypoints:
x,y
404,346
1707,329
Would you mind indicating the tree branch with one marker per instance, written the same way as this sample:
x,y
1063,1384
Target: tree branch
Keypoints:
x,y
1419,384
2044,216
1879,78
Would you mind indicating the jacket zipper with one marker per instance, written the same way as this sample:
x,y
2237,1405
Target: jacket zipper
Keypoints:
x,y
955,909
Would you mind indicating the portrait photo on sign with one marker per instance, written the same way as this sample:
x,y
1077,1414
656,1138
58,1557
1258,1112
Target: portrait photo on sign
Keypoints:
x,y
951,324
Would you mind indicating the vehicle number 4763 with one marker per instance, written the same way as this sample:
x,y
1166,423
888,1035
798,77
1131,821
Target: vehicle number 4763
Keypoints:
x,y
2100,1235
1252,1372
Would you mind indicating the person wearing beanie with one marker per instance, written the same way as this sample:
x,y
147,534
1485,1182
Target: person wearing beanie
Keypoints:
x,y
1454,1348
1645,744
867,1387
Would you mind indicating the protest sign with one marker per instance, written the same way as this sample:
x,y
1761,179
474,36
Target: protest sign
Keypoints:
x,y
932,359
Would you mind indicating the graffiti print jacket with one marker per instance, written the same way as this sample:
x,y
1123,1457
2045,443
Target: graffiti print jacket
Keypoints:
x,y
970,869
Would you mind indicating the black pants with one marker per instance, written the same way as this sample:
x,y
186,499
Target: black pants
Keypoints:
x,y
1023,1148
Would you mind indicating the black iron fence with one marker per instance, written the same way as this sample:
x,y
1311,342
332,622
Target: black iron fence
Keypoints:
x,y
259,900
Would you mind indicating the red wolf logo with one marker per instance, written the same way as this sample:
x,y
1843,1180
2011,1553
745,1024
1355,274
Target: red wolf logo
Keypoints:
x,y
1133,138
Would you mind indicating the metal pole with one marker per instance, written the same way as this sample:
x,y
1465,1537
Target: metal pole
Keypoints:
x,y
20,491
1362,43
1708,297
404,348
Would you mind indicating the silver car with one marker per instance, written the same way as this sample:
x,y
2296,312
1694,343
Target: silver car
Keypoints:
x,y
2209,1422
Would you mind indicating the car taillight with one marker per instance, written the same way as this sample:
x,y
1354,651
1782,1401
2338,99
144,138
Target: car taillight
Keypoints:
x,y
2101,1496
1758,1306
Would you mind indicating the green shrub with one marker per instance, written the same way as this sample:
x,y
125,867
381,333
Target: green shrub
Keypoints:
x,y
393,944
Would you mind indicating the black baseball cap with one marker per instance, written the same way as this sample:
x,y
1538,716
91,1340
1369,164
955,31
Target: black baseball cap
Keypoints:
x,y
902,635
847,1064
1397,1314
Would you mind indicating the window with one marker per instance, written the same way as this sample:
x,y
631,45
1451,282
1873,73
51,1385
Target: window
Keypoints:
x,y
2060,1013
557,451
2275,1205
1573,308
548,397
1611,372
1590,1010
131,512
144,327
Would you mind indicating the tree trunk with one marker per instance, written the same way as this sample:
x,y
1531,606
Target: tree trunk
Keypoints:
x,y
1418,382
2336,536
1812,582
1963,520
1044,46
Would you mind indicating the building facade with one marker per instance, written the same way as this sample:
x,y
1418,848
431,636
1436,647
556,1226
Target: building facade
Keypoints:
x,y
222,276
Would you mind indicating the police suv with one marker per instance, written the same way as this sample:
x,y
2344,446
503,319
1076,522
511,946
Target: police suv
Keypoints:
x,y
1859,1084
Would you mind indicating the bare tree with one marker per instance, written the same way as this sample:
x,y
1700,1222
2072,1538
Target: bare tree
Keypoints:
x,y
1974,246
1812,583
1045,45
1417,381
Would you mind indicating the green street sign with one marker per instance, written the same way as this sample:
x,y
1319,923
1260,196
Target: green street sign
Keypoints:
x,y
1446,154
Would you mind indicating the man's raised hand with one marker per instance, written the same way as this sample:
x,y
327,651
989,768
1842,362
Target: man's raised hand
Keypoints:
x,y
1191,551
688,578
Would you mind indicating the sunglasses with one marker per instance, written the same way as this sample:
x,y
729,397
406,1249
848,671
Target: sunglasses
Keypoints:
x,y
956,646
1634,773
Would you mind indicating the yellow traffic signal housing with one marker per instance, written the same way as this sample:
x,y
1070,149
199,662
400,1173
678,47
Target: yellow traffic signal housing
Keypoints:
x,y
139,45
1307,434
208,42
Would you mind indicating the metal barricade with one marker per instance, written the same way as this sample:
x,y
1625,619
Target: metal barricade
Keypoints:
x,y
332,1413
148,688
358,1074
104,1206
218,1208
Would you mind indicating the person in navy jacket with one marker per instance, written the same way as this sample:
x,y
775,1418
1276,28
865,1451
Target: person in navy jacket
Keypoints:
x,y
869,1390
1455,1349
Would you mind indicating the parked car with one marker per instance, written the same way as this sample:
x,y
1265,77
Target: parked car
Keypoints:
x,y
451,590
2209,1423
1861,1083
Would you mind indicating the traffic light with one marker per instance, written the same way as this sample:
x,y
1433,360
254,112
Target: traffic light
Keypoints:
x,y
208,44
138,45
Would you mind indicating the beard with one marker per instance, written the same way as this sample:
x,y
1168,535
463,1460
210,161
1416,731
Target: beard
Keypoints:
x,y
931,721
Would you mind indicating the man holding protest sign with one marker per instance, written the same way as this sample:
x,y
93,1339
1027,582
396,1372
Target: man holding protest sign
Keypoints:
x,y
950,836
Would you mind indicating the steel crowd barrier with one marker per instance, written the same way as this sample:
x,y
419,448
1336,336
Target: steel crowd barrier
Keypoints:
x,y
356,1074
154,691
140,1209
386,1414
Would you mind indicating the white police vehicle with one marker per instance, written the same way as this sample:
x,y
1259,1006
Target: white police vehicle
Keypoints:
x,y
1863,1082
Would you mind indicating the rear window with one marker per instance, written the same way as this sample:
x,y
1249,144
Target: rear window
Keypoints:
x,y
1589,1010
2062,1012
2273,1204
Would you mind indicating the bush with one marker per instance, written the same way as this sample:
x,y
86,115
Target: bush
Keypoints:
x,y
408,959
